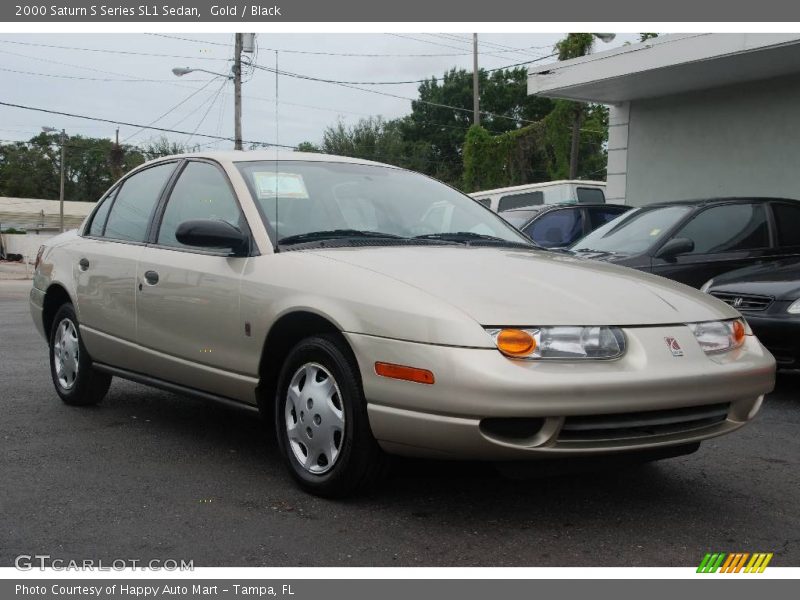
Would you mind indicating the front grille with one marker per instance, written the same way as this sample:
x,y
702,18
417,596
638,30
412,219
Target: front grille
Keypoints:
x,y
637,425
744,302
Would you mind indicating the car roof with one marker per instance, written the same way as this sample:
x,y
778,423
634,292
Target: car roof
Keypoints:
x,y
233,156
723,200
543,207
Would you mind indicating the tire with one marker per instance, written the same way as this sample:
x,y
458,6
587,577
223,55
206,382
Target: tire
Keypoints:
x,y
326,441
76,382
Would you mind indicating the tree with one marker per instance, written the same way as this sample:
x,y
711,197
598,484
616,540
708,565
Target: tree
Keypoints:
x,y
439,120
574,46
32,169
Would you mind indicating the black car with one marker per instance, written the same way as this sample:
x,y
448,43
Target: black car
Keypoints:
x,y
561,225
692,241
768,296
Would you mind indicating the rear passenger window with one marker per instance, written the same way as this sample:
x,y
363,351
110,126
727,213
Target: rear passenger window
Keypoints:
x,y
99,218
787,220
727,228
520,200
133,208
556,229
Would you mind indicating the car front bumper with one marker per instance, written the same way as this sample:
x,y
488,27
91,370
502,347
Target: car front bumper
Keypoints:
x,y
36,302
486,406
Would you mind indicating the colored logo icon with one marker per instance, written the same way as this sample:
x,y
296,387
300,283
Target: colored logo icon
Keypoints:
x,y
737,562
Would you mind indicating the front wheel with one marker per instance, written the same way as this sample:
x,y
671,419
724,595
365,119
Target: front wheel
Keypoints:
x,y
76,382
321,420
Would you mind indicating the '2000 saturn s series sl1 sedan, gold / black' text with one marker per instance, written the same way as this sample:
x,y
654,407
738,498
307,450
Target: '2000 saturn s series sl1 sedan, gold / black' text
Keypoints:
x,y
368,310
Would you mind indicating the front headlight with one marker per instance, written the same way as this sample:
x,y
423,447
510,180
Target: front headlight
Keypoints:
x,y
561,342
706,285
719,336
794,308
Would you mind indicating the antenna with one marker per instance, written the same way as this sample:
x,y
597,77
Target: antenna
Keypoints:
x,y
277,146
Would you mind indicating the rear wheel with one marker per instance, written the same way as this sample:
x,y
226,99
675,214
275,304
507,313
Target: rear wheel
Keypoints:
x,y
76,382
321,420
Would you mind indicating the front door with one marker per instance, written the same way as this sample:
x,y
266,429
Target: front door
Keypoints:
x,y
726,237
188,318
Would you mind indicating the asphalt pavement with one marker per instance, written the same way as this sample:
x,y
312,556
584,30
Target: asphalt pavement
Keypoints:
x,y
152,475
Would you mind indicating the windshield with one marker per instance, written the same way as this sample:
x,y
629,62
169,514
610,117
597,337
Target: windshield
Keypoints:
x,y
633,232
518,218
313,201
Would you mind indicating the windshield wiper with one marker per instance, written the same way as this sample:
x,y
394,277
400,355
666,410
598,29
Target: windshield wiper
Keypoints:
x,y
469,237
334,234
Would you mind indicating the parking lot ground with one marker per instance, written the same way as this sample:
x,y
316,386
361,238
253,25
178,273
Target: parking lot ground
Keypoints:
x,y
151,475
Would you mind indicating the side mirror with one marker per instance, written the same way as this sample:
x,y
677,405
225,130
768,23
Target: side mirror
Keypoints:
x,y
211,233
674,247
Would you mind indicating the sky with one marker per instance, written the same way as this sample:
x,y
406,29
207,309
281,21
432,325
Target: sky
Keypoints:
x,y
91,74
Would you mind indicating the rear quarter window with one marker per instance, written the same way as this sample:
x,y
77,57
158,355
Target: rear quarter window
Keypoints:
x,y
520,200
787,222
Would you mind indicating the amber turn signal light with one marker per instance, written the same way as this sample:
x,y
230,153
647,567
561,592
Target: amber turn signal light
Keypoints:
x,y
515,342
402,372
738,332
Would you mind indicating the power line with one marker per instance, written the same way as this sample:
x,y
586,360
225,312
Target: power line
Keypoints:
x,y
178,105
328,53
390,95
112,51
104,79
498,47
127,124
208,110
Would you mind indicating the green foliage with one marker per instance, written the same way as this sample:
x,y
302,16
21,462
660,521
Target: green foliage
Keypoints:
x,y
643,37
33,170
511,158
307,147
537,152
441,130
574,45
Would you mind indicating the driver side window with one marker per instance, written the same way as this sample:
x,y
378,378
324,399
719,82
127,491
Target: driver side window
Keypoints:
x,y
727,228
202,192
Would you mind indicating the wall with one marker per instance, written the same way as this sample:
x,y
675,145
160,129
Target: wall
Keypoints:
x,y
732,141
26,244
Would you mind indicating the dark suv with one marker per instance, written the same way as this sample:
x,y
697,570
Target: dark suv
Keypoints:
x,y
694,240
561,225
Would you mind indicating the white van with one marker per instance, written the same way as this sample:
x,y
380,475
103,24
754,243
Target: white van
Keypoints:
x,y
549,192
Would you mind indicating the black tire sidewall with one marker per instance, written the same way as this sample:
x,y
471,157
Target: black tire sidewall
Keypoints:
x,y
81,393
358,445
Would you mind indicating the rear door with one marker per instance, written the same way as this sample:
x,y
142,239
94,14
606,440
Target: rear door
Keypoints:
x,y
725,236
105,262
188,316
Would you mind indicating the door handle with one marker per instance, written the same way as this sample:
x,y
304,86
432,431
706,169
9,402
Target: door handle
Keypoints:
x,y
151,277
83,264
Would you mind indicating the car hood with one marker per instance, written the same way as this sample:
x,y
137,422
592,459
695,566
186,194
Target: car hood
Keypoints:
x,y
780,279
500,286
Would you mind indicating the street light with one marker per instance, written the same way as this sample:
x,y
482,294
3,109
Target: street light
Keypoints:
x,y
62,141
605,37
181,71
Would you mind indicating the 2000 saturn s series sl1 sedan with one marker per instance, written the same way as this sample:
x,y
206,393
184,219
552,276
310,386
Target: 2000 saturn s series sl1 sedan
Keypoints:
x,y
367,309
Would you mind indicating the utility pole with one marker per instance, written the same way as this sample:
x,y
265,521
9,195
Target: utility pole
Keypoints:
x,y
61,187
237,92
475,80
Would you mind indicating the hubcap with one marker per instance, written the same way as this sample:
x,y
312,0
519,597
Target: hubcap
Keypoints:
x,y
314,418
65,353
